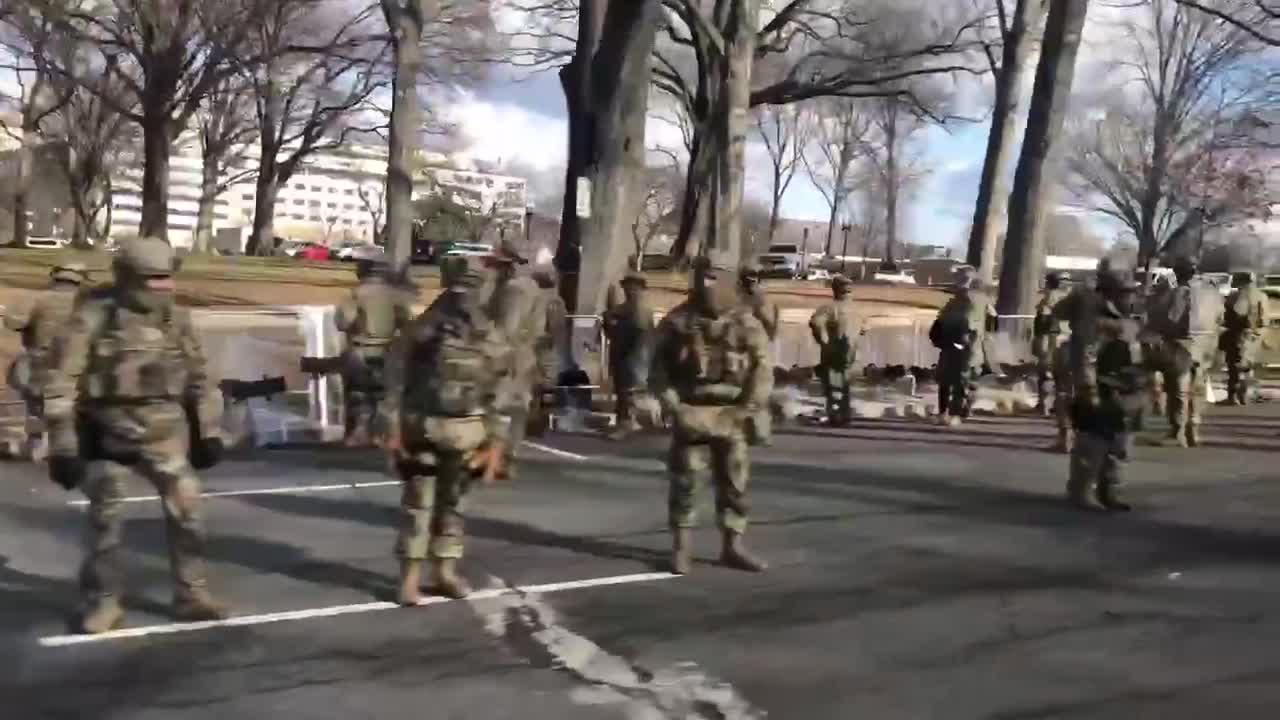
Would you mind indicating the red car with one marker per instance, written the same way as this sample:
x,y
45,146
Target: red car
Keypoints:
x,y
314,253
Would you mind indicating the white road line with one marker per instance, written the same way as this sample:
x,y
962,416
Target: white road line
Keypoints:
x,y
333,611
555,451
290,490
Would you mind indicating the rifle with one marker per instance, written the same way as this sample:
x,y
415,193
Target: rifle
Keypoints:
x,y
322,365
241,390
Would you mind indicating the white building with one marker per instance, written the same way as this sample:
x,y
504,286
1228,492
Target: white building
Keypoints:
x,y
334,196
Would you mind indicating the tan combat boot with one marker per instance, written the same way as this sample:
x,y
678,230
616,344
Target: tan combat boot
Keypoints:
x,y
1063,444
1193,436
445,579
735,555
198,605
410,592
681,551
105,614
1108,500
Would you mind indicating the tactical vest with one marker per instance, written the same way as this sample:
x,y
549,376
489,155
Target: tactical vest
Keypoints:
x,y
1241,312
713,365
452,371
136,362
377,316
1194,311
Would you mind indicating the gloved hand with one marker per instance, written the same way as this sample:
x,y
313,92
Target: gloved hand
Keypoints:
x,y
485,463
207,453
67,471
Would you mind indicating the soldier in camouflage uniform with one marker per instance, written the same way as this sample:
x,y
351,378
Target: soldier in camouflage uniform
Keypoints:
x,y
754,296
376,310
519,309
629,328
1048,344
446,375
124,392
711,376
959,333
1158,373
552,345
1189,328
39,325
837,329
1245,320
1109,395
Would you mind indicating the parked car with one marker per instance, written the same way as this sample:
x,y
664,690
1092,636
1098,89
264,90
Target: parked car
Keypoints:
x,y
782,261
343,251
46,243
902,277
366,252
481,250
313,252
818,274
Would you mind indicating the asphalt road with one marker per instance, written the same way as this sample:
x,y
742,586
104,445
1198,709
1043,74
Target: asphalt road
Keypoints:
x,y
918,573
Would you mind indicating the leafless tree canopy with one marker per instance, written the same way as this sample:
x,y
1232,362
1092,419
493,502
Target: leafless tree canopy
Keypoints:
x,y
1165,154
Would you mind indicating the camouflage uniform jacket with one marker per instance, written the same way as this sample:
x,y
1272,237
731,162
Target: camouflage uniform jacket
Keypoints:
x,y
836,329
1113,375
518,308
720,361
630,329
1246,311
373,313
127,371
764,311
449,363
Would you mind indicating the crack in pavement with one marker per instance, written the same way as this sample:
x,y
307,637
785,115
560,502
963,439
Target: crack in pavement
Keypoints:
x,y
528,625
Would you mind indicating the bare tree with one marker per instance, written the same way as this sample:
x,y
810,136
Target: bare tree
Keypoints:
x,y
1016,24
659,204
1023,255
373,199
165,56
227,127
1192,83
307,100
841,129
433,42
895,126
1258,18
785,132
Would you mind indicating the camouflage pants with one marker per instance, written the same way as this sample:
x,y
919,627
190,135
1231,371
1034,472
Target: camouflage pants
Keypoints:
x,y
955,382
835,388
179,489
364,389
435,484
1097,462
1053,362
709,438
1184,385
1241,351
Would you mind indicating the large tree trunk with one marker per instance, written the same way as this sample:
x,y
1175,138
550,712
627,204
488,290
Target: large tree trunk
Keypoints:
x,y
984,233
620,92
694,206
575,80
740,45
1154,181
22,185
203,238
406,119
1024,241
156,148
262,240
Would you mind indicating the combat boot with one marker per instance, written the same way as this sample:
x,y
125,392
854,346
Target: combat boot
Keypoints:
x,y
1177,439
410,592
103,615
198,605
1193,436
1108,500
735,555
681,551
1063,444
445,579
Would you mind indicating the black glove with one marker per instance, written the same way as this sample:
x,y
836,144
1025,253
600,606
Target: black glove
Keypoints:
x,y
206,453
67,471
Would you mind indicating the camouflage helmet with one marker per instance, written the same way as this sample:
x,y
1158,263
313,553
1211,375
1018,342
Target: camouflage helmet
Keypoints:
x,y
1184,265
457,271
965,275
146,257
840,281
749,271
70,272
1242,276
